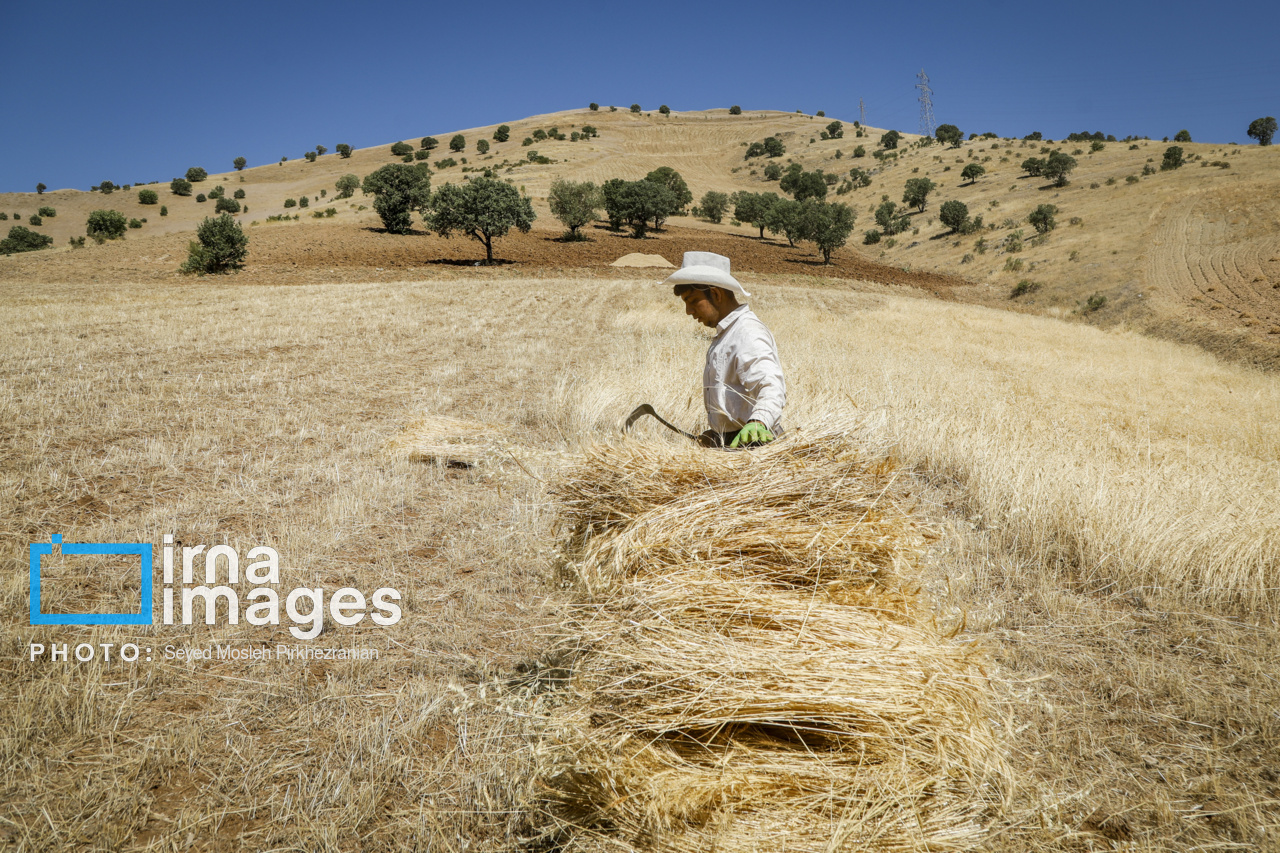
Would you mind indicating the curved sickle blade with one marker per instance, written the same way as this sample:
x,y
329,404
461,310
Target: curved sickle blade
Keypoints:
x,y
646,409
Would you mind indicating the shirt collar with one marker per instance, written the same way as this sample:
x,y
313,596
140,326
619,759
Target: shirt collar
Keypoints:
x,y
730,318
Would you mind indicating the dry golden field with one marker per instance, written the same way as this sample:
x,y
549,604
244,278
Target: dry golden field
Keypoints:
x,y
1103,505
1075,510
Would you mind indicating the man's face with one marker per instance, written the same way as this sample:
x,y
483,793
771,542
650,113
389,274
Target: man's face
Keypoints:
x,y
699,305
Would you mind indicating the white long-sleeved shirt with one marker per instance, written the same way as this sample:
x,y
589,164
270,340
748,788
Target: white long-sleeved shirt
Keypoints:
x,y
742,380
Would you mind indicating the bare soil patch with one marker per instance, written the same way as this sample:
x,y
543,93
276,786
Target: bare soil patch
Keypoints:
x,y
311,254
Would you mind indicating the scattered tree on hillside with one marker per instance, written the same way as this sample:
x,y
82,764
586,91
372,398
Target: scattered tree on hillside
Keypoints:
x,y
610,198
714,204
827,225
589,131
347,185
40,188
949,134
1172,158
106,187
502,134
890,139
593,106
1033,166
735,110
400,149
321,150
483,208
106,225
1057,167
482,146
803,185
1263,129
23,239
310,156
575,205
754,207
239,193
226,205
429,143
770,147
892,220
635,108
1182,136
458,142
220,246
239,163
148,197
772,172
972,171
1034,136
637,202
344,150
1042,219
665,110
671,179
178,186
784,218
916,192
397,191
954,215
835,130
195,174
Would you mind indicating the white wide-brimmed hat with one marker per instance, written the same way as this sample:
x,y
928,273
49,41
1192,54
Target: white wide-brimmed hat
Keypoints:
x,y
706,268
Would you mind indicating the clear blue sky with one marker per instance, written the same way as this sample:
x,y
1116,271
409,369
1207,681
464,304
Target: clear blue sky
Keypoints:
x,y
133,91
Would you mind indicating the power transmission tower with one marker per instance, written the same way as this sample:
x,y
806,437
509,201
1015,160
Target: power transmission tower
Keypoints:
x,y
927,124
862,109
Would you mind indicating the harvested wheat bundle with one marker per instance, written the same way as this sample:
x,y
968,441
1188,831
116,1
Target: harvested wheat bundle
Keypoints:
x,y
648,796
755,670
807,510
736,721
614,483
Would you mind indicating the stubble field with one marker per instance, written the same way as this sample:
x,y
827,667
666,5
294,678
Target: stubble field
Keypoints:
x,y
1104,505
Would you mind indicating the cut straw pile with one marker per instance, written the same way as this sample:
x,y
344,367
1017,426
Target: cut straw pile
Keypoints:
x,y
756,667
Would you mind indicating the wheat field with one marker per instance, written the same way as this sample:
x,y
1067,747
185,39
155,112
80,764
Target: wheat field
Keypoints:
x,y
1105,508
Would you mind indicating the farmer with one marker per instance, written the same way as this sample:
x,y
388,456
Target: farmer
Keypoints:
x,y
742,382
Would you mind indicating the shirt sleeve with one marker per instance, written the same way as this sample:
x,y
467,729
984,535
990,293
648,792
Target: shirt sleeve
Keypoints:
x,y
760,371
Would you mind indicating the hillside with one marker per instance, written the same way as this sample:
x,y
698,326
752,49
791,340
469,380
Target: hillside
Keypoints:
x,y
1192,254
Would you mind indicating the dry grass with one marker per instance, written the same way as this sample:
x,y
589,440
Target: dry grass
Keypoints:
x,y
1101,501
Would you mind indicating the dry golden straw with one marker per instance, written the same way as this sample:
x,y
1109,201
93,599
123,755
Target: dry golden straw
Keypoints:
x,y
756,668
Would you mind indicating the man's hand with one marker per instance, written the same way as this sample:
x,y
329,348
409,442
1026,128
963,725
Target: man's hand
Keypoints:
x,y
753,433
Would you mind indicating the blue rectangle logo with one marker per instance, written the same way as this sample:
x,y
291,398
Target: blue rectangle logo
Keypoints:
x,y
141,549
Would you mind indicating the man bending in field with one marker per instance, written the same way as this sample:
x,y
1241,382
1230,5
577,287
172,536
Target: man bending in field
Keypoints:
x,y
742,383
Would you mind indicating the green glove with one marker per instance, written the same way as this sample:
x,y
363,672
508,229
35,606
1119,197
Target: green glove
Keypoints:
x,y
753,433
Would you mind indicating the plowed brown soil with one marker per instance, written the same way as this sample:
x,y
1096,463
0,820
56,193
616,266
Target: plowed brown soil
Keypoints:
x,y
305,253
